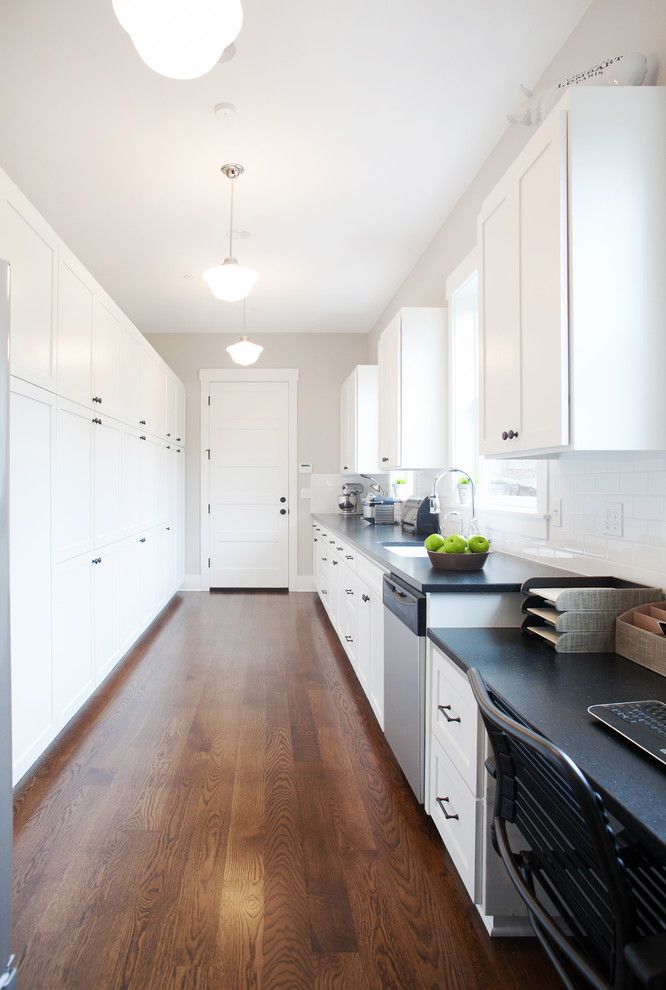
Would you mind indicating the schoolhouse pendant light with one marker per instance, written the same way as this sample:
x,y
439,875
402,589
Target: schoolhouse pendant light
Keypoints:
x,y
230,281
244,351
182,39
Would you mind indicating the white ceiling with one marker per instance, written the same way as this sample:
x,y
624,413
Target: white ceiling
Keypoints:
x,y
359,124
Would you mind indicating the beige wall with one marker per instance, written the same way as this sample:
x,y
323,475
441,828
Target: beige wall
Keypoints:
x,y
323,359
610,27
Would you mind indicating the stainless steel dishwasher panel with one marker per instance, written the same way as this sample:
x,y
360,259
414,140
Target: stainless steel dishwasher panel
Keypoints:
x,y
404,680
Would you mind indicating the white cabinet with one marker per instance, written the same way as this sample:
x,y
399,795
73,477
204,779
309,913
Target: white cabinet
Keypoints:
x,y
31,449
412,356
108,340
523,292
106,576
75,322
107,476
180,412
153,394
359,421
72,510
571,321
131,380
72,636
30,246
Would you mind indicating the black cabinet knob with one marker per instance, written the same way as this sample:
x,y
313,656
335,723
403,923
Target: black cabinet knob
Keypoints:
x,y
512,434
177,439
335,563
283,512
283,499
384,460
345,468
142,540
142,422
142,438
505,435
365,598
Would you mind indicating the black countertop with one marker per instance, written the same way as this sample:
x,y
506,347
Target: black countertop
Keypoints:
x,y
501,573
552,692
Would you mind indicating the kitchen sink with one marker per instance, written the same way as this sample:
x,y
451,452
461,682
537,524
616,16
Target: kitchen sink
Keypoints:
x,y
404,550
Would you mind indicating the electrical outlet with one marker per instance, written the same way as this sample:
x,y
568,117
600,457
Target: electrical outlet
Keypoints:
x,y
613,519
556,513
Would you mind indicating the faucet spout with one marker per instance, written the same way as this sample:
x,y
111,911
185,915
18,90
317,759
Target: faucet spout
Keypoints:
x,y
434,497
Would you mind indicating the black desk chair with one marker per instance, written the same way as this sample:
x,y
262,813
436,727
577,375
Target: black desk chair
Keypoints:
x,y
570,871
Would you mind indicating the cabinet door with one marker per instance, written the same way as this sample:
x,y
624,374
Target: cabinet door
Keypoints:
x,y
72,631
171,560
390,399
130,495
541,176
108,337
29,245
499,319
31,449
180,412
128,551
131,377
364,652
152,397
106,578
72,523
75,319
180,514
377,658
107,477
171,407
348,425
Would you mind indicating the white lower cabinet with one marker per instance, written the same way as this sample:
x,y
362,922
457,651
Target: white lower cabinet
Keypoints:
x,y
350,588
460,794
72,515
72,636
106,611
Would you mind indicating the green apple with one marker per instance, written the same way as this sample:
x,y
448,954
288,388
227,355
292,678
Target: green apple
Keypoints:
x,y
433,542
454,544
479,544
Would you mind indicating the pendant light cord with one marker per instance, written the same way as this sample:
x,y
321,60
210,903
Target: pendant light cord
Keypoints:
x,y
231,220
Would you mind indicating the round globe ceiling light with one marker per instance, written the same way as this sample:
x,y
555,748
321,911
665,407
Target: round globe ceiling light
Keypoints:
x,y
182,39
244,352
230,281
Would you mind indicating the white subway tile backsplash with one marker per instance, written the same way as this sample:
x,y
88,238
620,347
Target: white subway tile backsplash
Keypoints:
x,y
656,483
606,483
648,507
634,483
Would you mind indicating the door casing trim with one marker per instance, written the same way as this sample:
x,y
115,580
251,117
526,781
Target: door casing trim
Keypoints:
x,y
290,376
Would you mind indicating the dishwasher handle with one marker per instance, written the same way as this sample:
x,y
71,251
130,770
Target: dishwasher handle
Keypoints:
x,y
407,604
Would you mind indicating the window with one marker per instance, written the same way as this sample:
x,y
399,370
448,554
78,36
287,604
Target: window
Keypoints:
x,y
513,486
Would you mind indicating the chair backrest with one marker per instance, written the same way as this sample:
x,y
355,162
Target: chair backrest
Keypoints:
x,y
570,847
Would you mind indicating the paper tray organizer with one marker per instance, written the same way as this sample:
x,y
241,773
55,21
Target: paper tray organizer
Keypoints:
x,y
638,636
579,614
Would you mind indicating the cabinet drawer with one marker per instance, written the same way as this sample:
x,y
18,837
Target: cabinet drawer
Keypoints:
x,y
370,573
456,813
455,718
348,554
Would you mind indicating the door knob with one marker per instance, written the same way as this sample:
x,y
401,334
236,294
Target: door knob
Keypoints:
x,y
283,512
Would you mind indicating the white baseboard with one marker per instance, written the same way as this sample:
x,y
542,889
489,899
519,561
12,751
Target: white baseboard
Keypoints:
x,y
305,583
191,582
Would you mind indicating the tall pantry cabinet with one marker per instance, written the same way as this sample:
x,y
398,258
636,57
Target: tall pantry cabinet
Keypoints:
x,y
96,480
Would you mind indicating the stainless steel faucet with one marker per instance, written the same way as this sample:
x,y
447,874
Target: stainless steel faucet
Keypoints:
x,y
434,497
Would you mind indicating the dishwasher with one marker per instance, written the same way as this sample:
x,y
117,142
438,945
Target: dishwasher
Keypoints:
x,y
404,679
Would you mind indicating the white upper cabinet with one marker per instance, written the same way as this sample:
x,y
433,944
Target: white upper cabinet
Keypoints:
x,y
108,338
572,295
75,325
72,515
359,420
30,247
180,412
107,475
412,355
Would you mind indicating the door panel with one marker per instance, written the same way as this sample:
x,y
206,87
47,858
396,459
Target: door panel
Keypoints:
x,y
72,631
31,482
249,457
107,438
390,397
106,357
73,482
106,611
75,313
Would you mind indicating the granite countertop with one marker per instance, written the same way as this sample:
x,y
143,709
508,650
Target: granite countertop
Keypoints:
x,y
501,573
552,692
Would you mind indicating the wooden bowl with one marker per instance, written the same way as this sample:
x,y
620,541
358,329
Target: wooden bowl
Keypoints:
x,y
457,561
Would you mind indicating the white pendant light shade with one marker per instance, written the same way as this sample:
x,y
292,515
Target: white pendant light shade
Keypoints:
x,y
230,281
244,352
182,39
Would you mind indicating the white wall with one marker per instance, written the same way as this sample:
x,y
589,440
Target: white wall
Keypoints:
x,y
608,28
324,360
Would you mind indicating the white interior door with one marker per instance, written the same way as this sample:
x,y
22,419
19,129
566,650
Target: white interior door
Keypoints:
x,y
249,484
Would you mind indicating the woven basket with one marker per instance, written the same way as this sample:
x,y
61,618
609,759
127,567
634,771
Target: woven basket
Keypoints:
x,y
639,644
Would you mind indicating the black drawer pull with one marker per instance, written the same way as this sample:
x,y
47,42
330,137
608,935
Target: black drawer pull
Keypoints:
x,y
365,598
339,548
349,591
142,540
142,438
441,802
445,709
97,560
323,591
142,422
348,556
335,563
324,559
349,639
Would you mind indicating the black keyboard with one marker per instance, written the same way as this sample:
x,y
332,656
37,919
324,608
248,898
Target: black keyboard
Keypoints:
x,y
641,722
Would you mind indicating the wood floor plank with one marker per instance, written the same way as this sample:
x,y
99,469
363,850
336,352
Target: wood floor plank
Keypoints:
x,y
226,814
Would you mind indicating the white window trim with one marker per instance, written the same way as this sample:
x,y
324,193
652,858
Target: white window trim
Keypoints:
x,y
289,375
511,519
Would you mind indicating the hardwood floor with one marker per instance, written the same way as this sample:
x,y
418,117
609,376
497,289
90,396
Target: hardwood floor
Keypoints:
x,y
227,815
